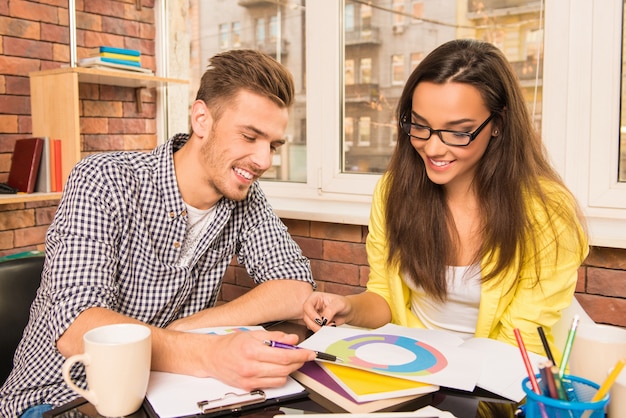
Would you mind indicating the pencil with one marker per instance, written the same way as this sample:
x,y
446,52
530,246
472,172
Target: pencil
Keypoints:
x,y
608,382
529,367
606,385
568,345
560,389
546,346
547,378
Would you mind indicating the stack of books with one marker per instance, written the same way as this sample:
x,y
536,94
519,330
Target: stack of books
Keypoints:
x,y
344,389
108,57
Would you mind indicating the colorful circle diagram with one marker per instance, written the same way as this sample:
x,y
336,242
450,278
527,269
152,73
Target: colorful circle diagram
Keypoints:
x,y
402,355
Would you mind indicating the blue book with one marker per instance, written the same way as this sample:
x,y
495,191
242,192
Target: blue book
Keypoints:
x,y
123,51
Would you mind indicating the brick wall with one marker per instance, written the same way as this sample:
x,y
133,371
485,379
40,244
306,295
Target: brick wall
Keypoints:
x,y
34,36
339,263
338,259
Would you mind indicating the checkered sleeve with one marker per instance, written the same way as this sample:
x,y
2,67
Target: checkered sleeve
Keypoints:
x,y
82,246
266,248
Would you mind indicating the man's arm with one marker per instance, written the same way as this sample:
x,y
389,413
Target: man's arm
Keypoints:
x,y
240,359
269,301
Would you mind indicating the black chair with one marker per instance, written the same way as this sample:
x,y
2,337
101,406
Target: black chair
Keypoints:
x,y
19,280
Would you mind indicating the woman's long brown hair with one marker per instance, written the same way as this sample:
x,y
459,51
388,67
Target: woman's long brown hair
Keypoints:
x,y
420,228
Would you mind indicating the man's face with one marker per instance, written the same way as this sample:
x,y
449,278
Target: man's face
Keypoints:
x,y
240,145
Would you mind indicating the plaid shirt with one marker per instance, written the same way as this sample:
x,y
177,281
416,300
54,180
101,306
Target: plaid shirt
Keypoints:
x,y
114,243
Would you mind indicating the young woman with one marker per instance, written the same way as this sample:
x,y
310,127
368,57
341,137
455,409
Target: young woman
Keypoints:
x,y
471,230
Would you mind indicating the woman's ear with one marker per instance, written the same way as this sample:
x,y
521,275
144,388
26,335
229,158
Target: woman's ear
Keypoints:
x,y
201,119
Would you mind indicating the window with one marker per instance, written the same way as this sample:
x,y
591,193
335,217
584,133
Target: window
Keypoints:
x,y
224,36
397,69
349,72
581,109
260,31
236,32
364,132
273,28
365,68
416,58
398,17
418,10
340,54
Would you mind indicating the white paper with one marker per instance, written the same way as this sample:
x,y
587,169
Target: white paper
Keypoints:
x,y
489,364
461,372
174,395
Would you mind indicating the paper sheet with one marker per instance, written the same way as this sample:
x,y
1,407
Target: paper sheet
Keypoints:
x,y
446,360
175,395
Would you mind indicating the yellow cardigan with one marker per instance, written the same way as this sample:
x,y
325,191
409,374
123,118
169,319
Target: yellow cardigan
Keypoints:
x,y
526,306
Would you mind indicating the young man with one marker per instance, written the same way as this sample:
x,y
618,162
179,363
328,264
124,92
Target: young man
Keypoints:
x,y
147,237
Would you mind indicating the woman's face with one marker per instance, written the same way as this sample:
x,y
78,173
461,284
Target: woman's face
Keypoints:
x,y
457,107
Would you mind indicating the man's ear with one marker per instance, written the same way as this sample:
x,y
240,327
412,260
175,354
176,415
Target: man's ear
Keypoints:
x,y
201,119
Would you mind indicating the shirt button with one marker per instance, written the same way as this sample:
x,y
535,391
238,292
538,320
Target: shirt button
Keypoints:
x,y
184,213
176,244
172,214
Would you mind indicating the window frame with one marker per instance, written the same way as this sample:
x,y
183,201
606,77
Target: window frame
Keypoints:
x,y
580,125
581,105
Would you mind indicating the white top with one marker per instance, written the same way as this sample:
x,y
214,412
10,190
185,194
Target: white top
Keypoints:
x,y
197,223
459,313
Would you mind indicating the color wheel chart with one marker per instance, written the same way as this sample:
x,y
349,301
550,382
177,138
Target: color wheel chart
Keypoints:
x,y
402,355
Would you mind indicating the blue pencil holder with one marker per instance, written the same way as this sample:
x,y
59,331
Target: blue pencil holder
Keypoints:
x,y
580,392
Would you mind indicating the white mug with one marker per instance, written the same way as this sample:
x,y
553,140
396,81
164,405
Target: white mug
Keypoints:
x,y
596,350
117,364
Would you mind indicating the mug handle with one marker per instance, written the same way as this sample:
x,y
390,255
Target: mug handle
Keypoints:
x,y
67,366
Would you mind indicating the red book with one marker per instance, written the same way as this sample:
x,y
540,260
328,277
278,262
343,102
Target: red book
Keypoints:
x,y
58,165
25,164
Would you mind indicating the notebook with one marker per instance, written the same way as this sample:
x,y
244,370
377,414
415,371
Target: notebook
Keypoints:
x,y
324,390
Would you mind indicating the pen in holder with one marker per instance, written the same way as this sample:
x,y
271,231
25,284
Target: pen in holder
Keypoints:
x,y
582,390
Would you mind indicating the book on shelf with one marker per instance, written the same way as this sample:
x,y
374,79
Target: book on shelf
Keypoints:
x,y
104,60
324,390
97,62
58,165
111,55
44,184
25,164
119,51
52,177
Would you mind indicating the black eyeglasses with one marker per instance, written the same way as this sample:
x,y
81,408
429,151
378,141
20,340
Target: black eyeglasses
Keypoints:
x,y
448,137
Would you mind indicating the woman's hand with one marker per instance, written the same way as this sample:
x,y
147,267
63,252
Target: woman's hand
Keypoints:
x,y
326,309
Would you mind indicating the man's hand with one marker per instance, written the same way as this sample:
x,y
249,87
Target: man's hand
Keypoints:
x,y
241,359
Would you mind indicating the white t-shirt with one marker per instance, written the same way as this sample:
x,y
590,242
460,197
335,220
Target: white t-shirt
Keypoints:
x,y
197,223
459,313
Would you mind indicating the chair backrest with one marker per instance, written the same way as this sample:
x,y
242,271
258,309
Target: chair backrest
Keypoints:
x,y
19,281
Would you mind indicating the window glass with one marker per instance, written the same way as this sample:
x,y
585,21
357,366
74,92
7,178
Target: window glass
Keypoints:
x,y
223,36
397,69
236,34
276,28
386,34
